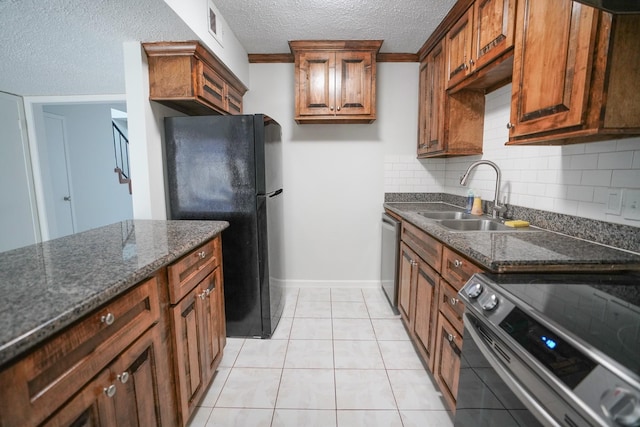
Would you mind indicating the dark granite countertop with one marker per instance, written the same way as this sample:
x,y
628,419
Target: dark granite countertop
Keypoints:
x,y
47,286
521,250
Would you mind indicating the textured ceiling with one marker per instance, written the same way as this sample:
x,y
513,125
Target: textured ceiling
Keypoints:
x,y
265,26
74,47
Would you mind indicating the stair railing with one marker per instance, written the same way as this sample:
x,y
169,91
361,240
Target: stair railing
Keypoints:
x,y
121,152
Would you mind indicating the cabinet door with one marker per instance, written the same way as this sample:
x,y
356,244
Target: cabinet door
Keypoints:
x,y
316,83
209,299
459,48
426,311
187,348
552,65
211,86
407,263
447,360
494,24
90,407
138,383
432,99
354,83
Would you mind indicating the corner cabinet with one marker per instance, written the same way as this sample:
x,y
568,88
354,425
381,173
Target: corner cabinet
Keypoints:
x,y
449,124
573,68
335,81
188,78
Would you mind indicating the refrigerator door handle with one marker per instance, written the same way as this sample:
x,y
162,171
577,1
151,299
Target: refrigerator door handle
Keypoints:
x,y
275,193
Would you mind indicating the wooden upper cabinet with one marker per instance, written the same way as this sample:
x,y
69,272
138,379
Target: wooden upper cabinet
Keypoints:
x,y
493,35
188,78
459,47
450,124
573,67
431,104
335,81
484,34
553,65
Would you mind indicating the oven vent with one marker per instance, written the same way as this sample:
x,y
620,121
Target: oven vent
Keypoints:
x,y
484,334
502,352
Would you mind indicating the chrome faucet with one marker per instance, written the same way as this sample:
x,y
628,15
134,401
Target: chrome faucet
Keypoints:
x,y
497,207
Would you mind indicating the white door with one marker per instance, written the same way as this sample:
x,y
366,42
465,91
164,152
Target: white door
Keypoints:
x,y
18,215
60,214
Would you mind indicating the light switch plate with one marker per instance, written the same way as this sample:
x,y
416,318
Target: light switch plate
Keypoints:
x,y
632,205
614,201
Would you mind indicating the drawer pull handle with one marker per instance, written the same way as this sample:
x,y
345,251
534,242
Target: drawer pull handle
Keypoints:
x,y
450,337
123,377
108,319
205,294
454,301
110,391
202,255
457,263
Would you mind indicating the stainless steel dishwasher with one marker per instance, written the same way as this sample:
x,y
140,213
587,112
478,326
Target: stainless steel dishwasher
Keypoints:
x,y
389,259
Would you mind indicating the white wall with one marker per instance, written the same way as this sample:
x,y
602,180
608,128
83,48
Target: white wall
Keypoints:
x,y
570,179
334,175
19,225
99,199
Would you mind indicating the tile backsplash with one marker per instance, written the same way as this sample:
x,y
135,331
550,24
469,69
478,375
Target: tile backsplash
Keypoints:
x,y
571,179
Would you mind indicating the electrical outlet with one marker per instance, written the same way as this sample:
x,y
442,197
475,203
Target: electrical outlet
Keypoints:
x,y
632,205
614,201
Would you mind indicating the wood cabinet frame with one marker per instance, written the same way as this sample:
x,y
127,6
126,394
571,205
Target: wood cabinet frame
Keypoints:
x,y
335,81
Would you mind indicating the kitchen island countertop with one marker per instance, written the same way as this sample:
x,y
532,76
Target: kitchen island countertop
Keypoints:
x,y
47,286
520,250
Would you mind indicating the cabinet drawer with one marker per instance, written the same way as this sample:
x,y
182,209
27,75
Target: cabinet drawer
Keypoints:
x,y
450,306
210,86
457,269
428,248
187,272
35,386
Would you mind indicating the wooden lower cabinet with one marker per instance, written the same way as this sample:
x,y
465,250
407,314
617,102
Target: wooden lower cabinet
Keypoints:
x,y
408,261
426,312
197,341
431,275
447,360
127,393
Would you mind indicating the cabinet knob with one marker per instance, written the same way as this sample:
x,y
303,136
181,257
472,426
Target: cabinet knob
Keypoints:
x,y
338,108
204,294
108,319
202,255
472,62
450,337
123,377
453,301
331,107
510,126
457,263
110,391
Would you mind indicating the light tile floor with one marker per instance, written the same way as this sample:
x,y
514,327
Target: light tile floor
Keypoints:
x,y
339,358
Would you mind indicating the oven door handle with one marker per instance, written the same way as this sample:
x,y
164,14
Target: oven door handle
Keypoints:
x,y
503,371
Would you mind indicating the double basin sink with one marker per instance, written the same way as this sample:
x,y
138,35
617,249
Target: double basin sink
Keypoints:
x,y
460,221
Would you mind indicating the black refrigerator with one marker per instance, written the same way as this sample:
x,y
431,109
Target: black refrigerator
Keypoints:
x,y
230,168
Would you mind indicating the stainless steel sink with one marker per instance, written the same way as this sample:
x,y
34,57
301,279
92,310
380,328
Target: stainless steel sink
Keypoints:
x,y
446,215
475,225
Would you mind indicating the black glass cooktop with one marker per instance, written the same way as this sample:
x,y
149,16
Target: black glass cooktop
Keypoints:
x,y
601,310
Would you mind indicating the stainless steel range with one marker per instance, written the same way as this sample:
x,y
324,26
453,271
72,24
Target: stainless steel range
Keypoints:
x,y
550,350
